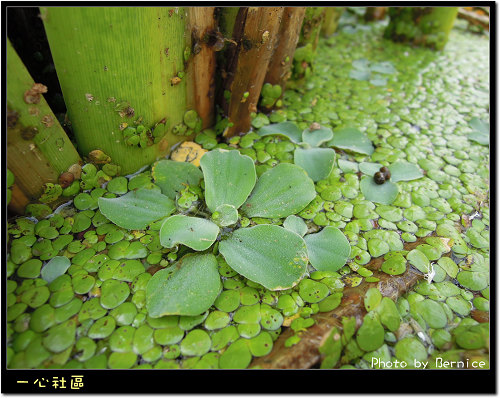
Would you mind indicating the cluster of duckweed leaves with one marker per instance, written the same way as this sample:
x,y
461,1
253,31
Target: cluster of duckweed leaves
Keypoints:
x,y
91,312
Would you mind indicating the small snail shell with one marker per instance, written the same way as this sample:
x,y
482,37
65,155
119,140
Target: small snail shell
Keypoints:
x,y
65,179
386,172
379,178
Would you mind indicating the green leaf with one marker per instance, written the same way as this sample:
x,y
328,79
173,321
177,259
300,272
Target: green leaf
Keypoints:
x,y
361,64
481,134
225,215
360,74
378,80
136,209
267,254
285,189
351,139
295,224
285,129
383,67
372,299
388,314
419,260
385,193
394,265
173,176
432,312
54,268
196,233
328,249
370,335
369,168
347,166
404,171
229,178
10,178
236,356
317,137
317,162
473,280
480,126
189,287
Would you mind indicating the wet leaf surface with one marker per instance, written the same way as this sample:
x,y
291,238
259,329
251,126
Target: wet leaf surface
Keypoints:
x,y
189,287
136,209
255,254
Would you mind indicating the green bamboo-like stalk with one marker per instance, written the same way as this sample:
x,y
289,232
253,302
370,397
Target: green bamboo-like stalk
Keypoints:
x,y
38,147
421,26
227,18
118,67
331,20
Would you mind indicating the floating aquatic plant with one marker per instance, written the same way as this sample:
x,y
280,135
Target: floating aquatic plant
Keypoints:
x,y
387,192
316,160
270,255
363,69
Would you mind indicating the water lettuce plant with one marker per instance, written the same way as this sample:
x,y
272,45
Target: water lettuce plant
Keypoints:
x,y
316,160
275,257
387,192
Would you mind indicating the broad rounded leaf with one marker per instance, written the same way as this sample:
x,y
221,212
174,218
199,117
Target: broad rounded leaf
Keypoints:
x,y
404,171
196,233
173,176
317,162
285,189
189,287
352,139
479,125
388,314
481,135
347,166
54,268
295,224
378,80
136,209
225,215
359,74
229,178
328,249
317,137
267,254
369,168
432,312
383,67
385,193
419,260
361,64
285,129
370,335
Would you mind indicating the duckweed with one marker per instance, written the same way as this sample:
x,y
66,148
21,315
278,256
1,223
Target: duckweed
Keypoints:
x,y
77,282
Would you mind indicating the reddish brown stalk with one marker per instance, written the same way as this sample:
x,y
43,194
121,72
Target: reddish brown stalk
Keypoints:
x,y
280,66
256,30
201,67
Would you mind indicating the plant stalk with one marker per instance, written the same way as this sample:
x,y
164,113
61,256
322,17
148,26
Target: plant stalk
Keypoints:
x,y
255,32
421,26
38,147
280,66
201,68
121,67
331,20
